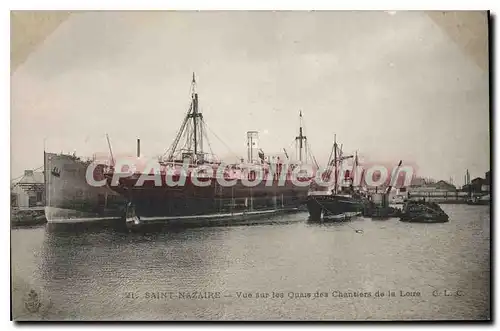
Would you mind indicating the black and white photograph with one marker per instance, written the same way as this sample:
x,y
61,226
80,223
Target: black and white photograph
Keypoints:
x,y
250,165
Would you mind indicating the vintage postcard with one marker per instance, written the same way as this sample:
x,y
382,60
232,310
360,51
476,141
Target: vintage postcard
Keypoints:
x,y
250,165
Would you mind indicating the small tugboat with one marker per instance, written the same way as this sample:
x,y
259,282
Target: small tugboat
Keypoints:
x,y
378,207
423,212
337,203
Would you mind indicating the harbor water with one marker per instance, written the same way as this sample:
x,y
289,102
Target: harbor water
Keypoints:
x,y
386,270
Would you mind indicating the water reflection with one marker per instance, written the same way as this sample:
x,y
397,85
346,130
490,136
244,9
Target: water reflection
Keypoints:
x,y
87,267
87,275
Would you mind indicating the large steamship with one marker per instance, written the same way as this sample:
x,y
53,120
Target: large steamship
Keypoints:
x,y
188,202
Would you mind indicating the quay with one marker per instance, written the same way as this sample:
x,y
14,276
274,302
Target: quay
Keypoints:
x,y
27,199
440,197
27,216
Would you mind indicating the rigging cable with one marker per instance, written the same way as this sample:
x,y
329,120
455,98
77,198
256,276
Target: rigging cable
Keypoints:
x,y
222,141
331,153
311,154
206,137
172,147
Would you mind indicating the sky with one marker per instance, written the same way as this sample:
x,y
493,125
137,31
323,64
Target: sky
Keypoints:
x,y
393,86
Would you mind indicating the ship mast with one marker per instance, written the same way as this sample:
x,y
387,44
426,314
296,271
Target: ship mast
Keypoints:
x,y
193,146
301,138
354,168
197,127
335,162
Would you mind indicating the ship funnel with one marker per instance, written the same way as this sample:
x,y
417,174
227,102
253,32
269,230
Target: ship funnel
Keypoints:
x,y
252,145
138,147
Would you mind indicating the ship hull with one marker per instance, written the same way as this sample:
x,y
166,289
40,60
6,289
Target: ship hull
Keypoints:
x,y
69,197
321,207
255,217
191,205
